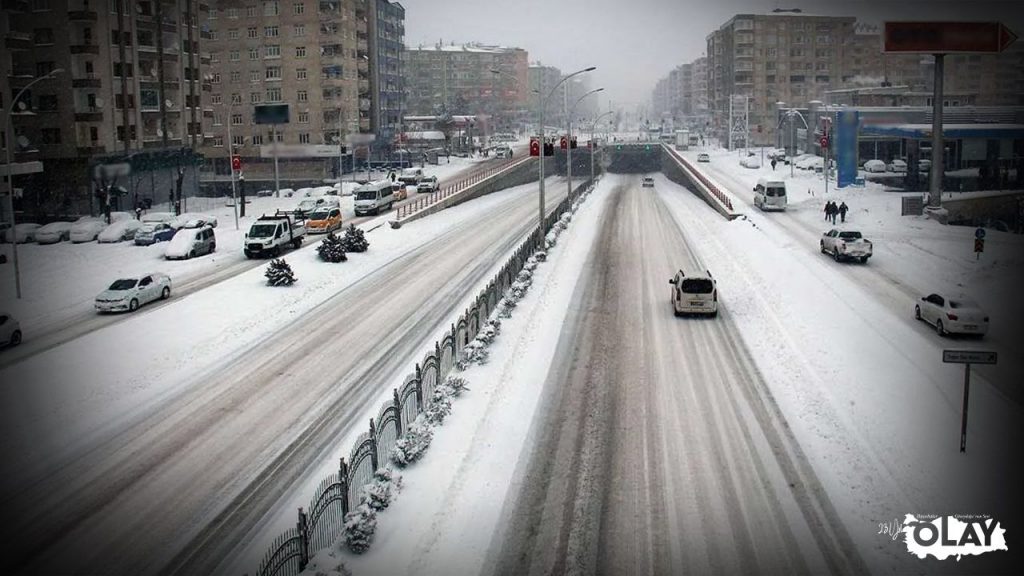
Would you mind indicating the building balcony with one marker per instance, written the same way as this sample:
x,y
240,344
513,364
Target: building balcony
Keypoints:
x,y
85,49
86,81
89,115
18,41
15,5
85,15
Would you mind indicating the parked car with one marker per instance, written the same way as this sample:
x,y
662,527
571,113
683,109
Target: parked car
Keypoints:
x,y
86,229
120,231
158,217
128,294
191,242
924,165
10,330
951,315
811,163
23,233
153,232
897,165
694,293
193,220
427,184
54,232
874,166
702,157
846,245
324,220
308,205
751,161
648,182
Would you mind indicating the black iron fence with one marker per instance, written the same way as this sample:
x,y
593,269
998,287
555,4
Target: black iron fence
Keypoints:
x,y
322,522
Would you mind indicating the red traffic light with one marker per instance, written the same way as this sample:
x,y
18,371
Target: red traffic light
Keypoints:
x,y
534,147
564,143
236,163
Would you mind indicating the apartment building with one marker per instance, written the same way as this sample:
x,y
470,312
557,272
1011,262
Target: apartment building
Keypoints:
x,y
681,96
386,38
458,78
125,85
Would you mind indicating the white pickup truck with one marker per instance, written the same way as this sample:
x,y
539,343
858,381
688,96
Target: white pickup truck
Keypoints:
x,y
270,235
846,245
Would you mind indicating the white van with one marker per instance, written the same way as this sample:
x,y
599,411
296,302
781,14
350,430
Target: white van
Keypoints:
x,y
694,293
371,197
770,194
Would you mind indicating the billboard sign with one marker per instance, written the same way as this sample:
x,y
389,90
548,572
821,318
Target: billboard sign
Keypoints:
x,y
947,37
301,150
270,114
845,146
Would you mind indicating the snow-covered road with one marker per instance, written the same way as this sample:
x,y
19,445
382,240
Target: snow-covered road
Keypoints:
x,y
659,449
206,457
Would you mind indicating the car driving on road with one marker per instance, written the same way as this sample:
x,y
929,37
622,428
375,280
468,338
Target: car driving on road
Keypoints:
x,y
427,184
128,294
702,157
694,293
846,245
952,315
10,330
324,220
648,182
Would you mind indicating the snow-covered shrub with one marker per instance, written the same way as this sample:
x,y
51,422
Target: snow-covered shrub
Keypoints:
x,y
439,408
489,332
550,239
279,273
411,446
454,386
332,249
381,492
355,240
360,525
506,306
541,256
474,353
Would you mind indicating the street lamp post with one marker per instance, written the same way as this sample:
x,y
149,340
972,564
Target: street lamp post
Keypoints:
x,y
231,164
593,147
10,175
788,116
568,136
540,124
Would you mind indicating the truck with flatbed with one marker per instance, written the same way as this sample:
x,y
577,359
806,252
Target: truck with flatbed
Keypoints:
x,y
271,234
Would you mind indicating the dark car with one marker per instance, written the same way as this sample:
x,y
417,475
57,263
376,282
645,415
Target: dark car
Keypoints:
x,y
153,232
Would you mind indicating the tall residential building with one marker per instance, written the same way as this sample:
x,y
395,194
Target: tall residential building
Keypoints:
x,y
682,95
386,39
131,85
459,78
543,78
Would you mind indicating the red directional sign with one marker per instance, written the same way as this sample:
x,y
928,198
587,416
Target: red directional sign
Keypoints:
x,y
534,147
236,163
945,37
823,142
564,143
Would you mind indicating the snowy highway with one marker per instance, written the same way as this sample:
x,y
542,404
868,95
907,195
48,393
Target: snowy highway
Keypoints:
x,y
205,459
658,448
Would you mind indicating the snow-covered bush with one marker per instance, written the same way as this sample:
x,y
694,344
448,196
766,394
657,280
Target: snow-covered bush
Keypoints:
x,y
355,240
439,408
381,492
541,256
360,525
454,386
279,273
489,331
411,446
474,353
332,249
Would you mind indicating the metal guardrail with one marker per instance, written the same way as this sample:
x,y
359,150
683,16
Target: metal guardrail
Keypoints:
x,y
427,200
722,197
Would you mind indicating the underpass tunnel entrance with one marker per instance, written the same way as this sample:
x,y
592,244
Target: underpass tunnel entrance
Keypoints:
x,y
636,158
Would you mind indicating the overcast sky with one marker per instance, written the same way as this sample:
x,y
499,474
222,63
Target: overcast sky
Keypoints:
x,y
635,42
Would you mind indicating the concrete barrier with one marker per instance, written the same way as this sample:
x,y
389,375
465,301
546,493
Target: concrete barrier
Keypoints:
x,y
681,171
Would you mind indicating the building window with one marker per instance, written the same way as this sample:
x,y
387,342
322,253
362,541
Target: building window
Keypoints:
x,y
218,141
304,137
254,53
303,117
793,79
257,139
273,94
250,11
270,31
300,74
273,73
213,13
236,76
236,120
236,98
271,8
216,99
255,97
215,79
233,13
252,32
238,141
272,51
40,5
300,51
254,76
218,120
298,8
42,36
303,96
233,56
233,34
299,30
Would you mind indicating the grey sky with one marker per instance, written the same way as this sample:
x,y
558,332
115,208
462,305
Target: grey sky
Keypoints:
x,y
635,42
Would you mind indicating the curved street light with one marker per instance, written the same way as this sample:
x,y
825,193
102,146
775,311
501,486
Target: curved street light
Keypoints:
x,y
10,174
568,136
593,149
540,128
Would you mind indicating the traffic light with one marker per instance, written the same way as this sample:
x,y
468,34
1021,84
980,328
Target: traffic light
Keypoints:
x,y
572,143
534,147
549,148
236,163
564,143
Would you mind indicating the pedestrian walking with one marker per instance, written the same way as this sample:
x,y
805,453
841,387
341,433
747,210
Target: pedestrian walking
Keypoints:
x,y
843,208
828,210
773,164
835,212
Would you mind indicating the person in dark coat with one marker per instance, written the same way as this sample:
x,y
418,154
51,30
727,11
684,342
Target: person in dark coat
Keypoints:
x,y
828,210
773,164
843,208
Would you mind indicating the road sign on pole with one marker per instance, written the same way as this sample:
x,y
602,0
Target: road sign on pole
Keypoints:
x,y
979,247
979,233
946,37
967,357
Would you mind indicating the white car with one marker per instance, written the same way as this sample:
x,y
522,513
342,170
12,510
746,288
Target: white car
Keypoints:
x,y
952,315
751,162
427,185
648,182
874,166
846,245
10,330
128,294
811,163
158,217
86,230
694,293
898,165
23,233
924,165
193,220
119,231
54,232
702,157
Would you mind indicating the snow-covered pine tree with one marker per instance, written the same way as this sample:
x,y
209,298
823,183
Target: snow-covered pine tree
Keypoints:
x,y
355,240
279,273
332,249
